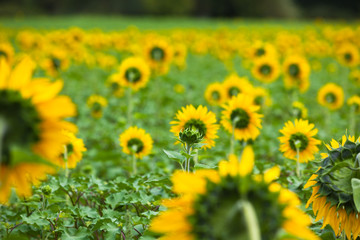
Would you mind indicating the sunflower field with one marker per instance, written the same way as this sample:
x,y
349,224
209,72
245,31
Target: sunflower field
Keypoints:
x,y
218,130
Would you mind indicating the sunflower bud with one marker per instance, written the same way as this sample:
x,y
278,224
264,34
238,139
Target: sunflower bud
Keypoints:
x,y
46,190
190,136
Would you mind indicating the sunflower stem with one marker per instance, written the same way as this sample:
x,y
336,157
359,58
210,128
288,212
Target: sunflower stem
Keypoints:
x,y
232,141
130,106
134,164
188,159
251,220
2,135
298,172
66,162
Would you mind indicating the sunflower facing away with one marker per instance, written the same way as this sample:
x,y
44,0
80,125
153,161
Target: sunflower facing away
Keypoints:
x,y
136,141
331,96
31,125
96,103
133,72
199,118
303,132
296,70
215,94
335,188
241,113
227,203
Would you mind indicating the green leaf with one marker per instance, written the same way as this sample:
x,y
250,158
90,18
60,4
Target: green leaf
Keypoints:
x,y
174,155
76,234
355,184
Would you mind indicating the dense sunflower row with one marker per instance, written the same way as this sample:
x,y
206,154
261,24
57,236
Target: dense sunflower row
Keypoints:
x,y
233,199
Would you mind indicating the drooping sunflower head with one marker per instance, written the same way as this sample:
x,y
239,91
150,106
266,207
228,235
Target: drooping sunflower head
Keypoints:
x,y
234,85
266,69
136,141
215,94
299,136
299,110
354,102
348,54
134,72
335,187
159,54
222,204
31,122
240,115
96,103
331,96
201,119
296,70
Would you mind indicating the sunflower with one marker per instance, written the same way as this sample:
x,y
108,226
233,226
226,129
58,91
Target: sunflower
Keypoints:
x,y
335,184
72,152
215,94
201,119
7,51
348,54
354,102
331,96
136,141
180,53
299,110
261,49
354,76
159,54
96,103
134,72
233,85
266,69
223,204
56,62
296,70
31,123
242,113
115,87
261,97
301,132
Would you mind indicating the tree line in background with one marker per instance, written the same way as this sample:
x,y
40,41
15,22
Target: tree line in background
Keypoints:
x,y
347,9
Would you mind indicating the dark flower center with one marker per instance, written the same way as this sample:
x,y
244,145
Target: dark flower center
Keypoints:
x,y
294,70
158,54
240,117
260,52
135,145
56,63
3,54
330,98
19,123
348,57
265,69
233,91
198,125
133,75
114,86
215,95
96,107
304,141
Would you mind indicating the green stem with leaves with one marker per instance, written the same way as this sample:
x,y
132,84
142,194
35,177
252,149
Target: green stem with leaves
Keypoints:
x,y
66,162
298,145
232,141
188,158
130,106
134,164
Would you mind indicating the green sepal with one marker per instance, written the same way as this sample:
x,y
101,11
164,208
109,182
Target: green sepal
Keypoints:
x,y
355,184
350,145
324,190
344,197
335,154
357,149
346,154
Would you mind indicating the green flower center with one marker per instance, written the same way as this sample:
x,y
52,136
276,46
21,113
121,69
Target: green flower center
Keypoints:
x,y
19,123
348,57
240,117
3,54
233,91
330,98
56,63
219,213
215,95
294,70
300,140
260,52
96,107
265,69
135,145
158,54
198,125
133,75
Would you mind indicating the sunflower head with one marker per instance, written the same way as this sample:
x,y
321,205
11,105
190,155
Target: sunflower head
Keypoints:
x,y
297,71
135,141
216,204
134,72
348,54
299,136
215,94
96,103
197,123
335,187
299,110
331,96
266,69
354,102
191,135
159,54
234,85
